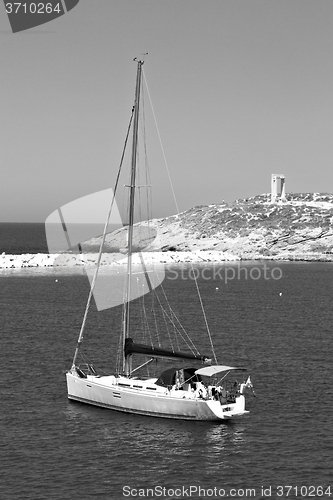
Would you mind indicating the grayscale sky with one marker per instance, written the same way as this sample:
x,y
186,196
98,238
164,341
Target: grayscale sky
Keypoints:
x,y
241,89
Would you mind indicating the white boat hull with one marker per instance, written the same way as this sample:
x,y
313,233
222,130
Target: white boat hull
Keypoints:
x,y
146,398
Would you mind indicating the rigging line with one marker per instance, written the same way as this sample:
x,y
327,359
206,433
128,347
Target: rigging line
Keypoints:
x,y
155,317
162,148
189,342
178,211
89,363
147,214
146,162
175,329
164,315
141,132
172,315
192,347
145,321
101,247
119,361
205,318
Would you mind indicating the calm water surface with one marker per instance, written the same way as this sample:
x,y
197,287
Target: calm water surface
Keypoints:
x,y
18,238
54,449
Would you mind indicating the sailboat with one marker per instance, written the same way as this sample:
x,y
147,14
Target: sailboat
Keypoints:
x,y
192,389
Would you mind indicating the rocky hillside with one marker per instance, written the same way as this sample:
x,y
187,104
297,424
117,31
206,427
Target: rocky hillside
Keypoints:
x,y
301,227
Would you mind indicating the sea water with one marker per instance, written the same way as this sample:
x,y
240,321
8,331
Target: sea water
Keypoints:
x,y
279,328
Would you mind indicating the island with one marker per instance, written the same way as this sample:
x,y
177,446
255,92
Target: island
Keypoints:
x,y
297,229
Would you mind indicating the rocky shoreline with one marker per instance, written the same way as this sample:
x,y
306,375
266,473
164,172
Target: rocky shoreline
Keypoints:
x,y
297,229
8,261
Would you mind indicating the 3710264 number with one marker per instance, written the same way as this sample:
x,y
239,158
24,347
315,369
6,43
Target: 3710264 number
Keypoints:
x,y
304,491
32,8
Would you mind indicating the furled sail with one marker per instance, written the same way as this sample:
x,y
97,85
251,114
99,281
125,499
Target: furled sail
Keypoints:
x,y
157,352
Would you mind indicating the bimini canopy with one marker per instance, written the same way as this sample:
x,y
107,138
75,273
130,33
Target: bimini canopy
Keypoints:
x,y
209,371
169,376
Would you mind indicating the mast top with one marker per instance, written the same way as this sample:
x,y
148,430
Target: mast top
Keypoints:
x,y
141,61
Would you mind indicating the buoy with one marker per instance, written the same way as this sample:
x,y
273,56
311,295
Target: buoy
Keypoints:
x,y
280,294
56,281
217,288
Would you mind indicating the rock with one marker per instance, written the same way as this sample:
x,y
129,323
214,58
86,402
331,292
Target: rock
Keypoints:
x,y
299,229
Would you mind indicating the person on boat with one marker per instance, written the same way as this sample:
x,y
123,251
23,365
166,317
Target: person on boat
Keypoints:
x,y
218,394
201,391
246,385
215,393
222,396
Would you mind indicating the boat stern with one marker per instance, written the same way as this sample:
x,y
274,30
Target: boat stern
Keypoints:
x,y
230,410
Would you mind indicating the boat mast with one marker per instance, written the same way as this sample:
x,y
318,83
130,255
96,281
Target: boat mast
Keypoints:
x,y
126,318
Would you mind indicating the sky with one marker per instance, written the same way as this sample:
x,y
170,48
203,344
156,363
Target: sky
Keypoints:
x,y
241,89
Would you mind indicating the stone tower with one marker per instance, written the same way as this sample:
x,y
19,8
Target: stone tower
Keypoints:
x,y
278,187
